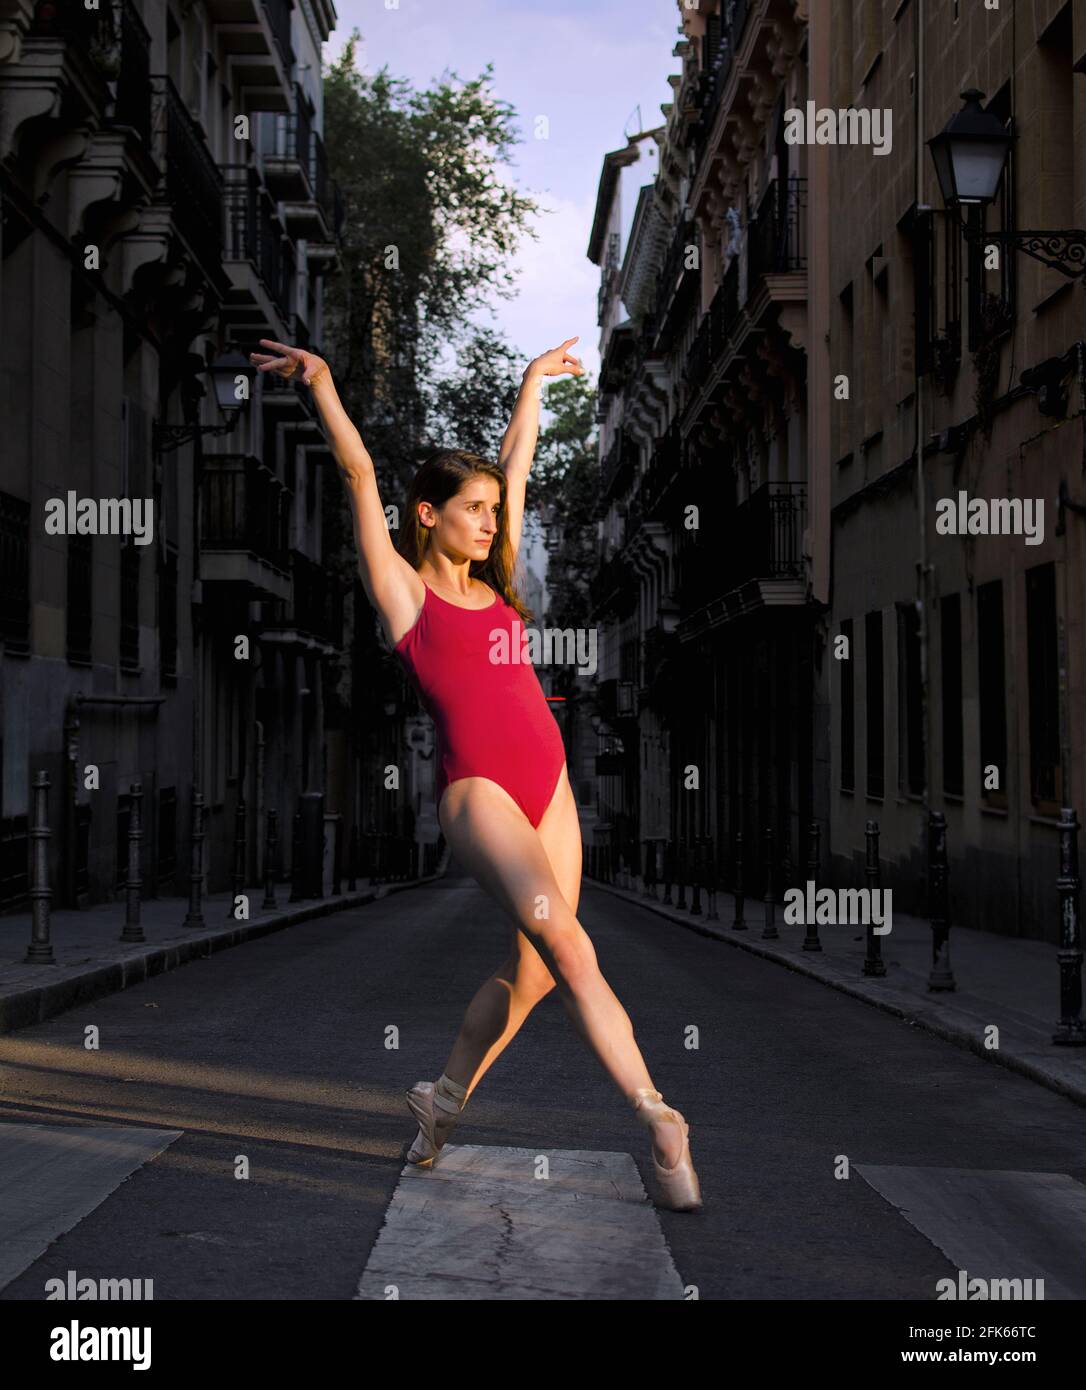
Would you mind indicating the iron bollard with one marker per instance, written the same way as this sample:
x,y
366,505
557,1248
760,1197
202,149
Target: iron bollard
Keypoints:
x,y
352,855
681,869
133,931
649,890
738,924
238,876
712,915
941,976
873,961
1071,1030
669,869
769,931
40,949
195,915
814,857
296,859
271,846
696,877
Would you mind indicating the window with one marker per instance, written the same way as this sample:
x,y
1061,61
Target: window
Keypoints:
x,y
848,711
991,692
79,605
1044,690
876,740
910,703
950,634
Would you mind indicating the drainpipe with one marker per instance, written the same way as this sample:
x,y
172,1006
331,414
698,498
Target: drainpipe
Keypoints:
x,y
923,568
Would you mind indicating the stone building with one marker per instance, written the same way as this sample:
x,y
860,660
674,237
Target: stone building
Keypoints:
x,y
166,203
964,357
715,559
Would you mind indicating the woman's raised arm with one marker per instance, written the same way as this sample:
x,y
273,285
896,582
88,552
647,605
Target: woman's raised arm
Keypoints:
x,y
522,432
391,585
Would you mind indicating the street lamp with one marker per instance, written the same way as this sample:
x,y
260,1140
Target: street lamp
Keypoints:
x,y
969,154
224,373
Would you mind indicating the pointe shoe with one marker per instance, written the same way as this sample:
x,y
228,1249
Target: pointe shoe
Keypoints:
x,y
437,1107
679,1189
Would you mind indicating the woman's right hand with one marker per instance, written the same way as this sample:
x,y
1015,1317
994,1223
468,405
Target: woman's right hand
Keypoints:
x,y
289,361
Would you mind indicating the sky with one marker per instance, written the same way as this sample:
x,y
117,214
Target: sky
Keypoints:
x,y
586,65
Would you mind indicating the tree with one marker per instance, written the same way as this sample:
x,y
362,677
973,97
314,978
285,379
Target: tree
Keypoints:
x,y
428,237
562,488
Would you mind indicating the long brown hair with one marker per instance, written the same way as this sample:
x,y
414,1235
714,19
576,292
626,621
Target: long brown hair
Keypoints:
x,y
441,476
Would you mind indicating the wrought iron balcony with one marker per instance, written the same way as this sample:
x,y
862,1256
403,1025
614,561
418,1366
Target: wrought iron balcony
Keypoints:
x,y
759,543
715,78
313,616
286,149
716,328
677,285
778,234
618,465
254,235
193,184
615,585
244,518
278,15
133,105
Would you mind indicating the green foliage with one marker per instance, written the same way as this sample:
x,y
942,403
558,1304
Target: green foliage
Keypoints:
x,y
562,488
419,176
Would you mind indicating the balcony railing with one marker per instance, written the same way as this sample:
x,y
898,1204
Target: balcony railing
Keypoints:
x,y
244,506
676,284
762,539
717,325
613,579
253,232
278,13
319,179
715,78
778,235
316,606
617,463
194,186
133,105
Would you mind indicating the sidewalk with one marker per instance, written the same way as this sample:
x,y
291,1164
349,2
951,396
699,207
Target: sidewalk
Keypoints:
x,y
91,961
1001,980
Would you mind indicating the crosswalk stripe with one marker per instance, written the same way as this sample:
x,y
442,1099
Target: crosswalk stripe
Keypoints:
x,y
52,1176
995,1224
481,1224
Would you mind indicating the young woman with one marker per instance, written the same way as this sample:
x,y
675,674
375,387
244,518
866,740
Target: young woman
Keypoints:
x,y
505,804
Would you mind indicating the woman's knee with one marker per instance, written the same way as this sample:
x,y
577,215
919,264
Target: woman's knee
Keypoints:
x,y
571,952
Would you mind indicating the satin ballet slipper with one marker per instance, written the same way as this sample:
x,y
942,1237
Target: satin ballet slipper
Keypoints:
x,y
678,1186
436,1106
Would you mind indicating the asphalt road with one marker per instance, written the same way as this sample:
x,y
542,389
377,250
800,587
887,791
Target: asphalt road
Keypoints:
x,y
278,1050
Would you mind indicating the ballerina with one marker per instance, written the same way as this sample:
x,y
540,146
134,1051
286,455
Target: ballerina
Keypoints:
x,y
504,800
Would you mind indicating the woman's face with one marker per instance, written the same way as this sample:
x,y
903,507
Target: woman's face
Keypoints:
x,y
465,527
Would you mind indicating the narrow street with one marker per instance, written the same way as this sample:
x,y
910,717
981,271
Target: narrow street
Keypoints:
x,y
279,1051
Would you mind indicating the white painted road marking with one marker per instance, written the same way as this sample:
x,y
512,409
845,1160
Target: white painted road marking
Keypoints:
x,y
51,1176
995,1225
480,1224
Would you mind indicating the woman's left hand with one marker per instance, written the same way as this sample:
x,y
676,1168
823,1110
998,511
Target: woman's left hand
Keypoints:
x,y
558,362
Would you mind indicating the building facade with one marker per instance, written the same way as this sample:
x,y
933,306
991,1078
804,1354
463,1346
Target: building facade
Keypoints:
x,y
812,370
166,204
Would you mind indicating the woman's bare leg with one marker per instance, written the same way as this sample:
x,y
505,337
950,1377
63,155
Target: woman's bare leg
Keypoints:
x,y
493,839
505,1000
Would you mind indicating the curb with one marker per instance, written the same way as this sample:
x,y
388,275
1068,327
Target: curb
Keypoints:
x,y
953,1024
34,1005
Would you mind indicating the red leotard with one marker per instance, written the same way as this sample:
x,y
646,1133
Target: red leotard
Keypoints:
x,y
491,717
